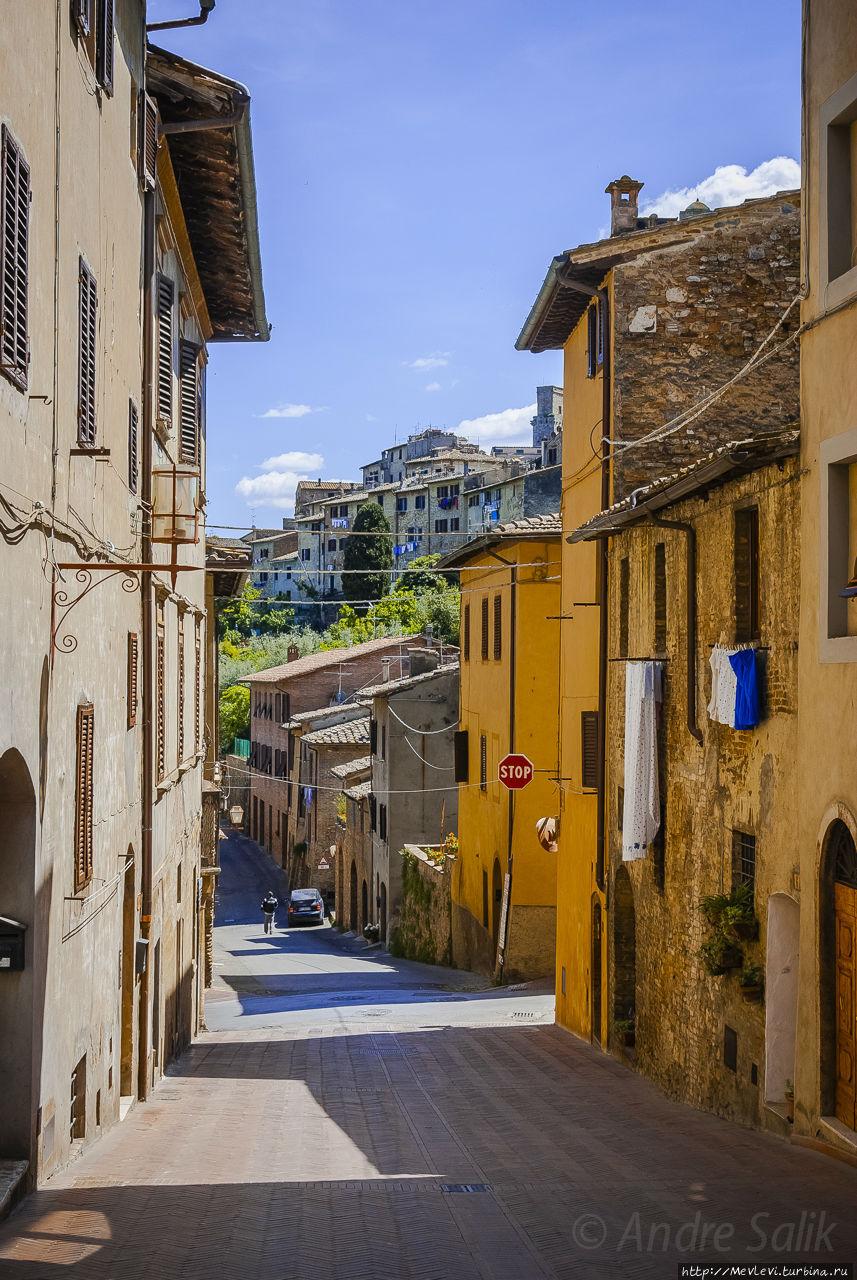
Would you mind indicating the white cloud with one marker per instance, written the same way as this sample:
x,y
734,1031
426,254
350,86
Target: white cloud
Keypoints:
x,y
273,489
370,417
437,360
729,184
510,426
288,411
295,461
433,386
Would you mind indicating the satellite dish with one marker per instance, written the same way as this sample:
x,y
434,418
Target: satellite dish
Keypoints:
x,y
547,830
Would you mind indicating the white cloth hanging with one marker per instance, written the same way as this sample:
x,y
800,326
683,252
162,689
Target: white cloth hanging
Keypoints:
x,y
641,814
724,686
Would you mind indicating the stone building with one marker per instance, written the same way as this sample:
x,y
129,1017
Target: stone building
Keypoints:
x,y
271,548
548,419
354,852
414,796
825,1076
702,564
127,246
509,694
658,323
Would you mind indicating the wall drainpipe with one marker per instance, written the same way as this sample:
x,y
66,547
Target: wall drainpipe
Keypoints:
x,y
513,613
690,532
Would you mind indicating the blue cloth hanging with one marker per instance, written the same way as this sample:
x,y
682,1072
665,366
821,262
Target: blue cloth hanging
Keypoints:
x,y
743,663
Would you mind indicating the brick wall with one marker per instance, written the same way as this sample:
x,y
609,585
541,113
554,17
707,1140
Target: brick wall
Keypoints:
x,y
424,929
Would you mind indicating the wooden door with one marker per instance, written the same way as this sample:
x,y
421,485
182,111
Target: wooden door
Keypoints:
x,y
845,901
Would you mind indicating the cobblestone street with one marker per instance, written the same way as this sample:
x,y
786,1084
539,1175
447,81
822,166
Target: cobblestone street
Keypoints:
x,y
355,1116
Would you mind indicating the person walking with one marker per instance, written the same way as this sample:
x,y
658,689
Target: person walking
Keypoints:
x,y
269,906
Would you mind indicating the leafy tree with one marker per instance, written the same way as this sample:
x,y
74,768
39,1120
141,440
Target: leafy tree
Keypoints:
x,y
371,553
419,577
248,613
234,714
395,614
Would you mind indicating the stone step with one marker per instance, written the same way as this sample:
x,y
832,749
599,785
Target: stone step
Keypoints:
x,y
11,1184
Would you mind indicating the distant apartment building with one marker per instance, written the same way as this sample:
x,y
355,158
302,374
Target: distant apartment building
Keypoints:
x,y
274,551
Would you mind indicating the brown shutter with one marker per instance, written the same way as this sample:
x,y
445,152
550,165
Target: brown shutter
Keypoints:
x,y
660,598
197,685
147,152
484,628
87,306
104,52
467,633
83,797
373,736
132,679
161,724
589,748
462,755
624,605
747,614
81,12
180,680
166,295
188,403
133,464
483,763
498,627
14,267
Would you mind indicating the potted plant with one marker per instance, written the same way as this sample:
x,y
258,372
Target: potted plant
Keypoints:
x,y
719,953
732,913
372,932
751,980
790,1101
625,1031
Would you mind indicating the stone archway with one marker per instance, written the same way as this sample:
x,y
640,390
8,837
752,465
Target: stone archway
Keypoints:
x,y
838,973
352,897
624,949
17,988
364,905
781,994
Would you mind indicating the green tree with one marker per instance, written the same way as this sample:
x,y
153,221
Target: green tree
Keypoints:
x,y
396,614
419,577
370,554
234,714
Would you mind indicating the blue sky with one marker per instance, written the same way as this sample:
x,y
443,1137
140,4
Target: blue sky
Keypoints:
x,y
417,168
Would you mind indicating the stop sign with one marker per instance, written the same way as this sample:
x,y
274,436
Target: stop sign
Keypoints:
x,y
516,771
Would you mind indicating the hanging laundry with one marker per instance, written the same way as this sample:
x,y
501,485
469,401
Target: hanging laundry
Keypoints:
x,y
743,663
724,686
308,797
641,815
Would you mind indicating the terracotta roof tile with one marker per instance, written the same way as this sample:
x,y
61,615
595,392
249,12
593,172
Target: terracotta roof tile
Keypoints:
x,y
350,733
329,658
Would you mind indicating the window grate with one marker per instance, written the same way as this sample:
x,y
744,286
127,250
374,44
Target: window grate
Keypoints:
x,y
743,858
132,679
483,763
87,308
484,628
133,446
83,797
589,748
498,627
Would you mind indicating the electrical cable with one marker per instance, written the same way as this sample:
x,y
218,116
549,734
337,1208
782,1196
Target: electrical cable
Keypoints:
x,y
442,768
445,728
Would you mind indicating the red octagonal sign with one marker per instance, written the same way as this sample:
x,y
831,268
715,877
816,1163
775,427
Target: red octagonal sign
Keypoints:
x,y
516,771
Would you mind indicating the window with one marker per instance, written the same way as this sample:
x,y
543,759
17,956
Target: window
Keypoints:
x,y
473,500
838,121
189,403
147,144
331,544
83,794
420,501
466,633
383,742
160,697
180,692
380,501
592,342
551,457
373,736
133,446
104,46
743,859
87,305
660,598
382,821
483,763
305,553
461,752
620,808
624,604
373,812
441,526
484,899
164,328
197,687
14,267
401,504
589,748
342,542
747,574
132,678
484,628
442,491
454,490
81,11
498,627
453,524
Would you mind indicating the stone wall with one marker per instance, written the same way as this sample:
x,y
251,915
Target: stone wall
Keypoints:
x,y
423,929
732,780
686,319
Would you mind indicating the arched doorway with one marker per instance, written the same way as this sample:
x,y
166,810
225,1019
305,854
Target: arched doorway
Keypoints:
x,y
352,914
624,949
383,912
496,903
126,1068
17,988
595,970
364,903
781,987
838,930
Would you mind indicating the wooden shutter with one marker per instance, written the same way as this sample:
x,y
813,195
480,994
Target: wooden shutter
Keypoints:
x,y
373,812
180,682
166,296
188,403
484,628
373,736
104,50
160,711
498,627
592,340
81,12
87,307
147,147
462,755
83,797
466,630
624,605
132,679
747,619
483,763
133,438
14,267
660,598
589,748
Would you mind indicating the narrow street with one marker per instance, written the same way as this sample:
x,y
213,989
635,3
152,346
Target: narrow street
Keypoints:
x,y
347,1115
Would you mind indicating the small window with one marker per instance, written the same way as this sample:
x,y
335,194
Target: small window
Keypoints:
x,y
743,859
461,753
592,340
420,501
454,524
83,797
180,692
104,45
132,678
484,628
164,327
189,402
14,266
382,821
331,544
483,763
466,633
442,491
624,604
383,742
373,736
305,553
620,808
441,526
401,504
498,627
160,700
589,748
747,621
87,306
133,446
660,594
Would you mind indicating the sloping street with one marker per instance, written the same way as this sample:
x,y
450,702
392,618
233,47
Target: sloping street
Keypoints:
x,y
349,1115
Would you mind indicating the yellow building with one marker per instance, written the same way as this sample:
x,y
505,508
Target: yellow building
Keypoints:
x,y
650,320
509,697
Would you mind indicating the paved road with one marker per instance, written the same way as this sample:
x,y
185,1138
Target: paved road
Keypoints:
x,y
358,1118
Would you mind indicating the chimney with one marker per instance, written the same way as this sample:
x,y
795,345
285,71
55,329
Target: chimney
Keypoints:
x,y
422,660
624,195
385,669
292,652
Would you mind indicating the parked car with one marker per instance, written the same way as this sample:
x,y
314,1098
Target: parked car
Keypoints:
x,y
306,906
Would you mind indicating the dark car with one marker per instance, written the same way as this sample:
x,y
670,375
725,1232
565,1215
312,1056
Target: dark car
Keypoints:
x,y
306,906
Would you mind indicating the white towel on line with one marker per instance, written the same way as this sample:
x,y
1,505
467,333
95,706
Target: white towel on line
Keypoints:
x,y
724,686
641,815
